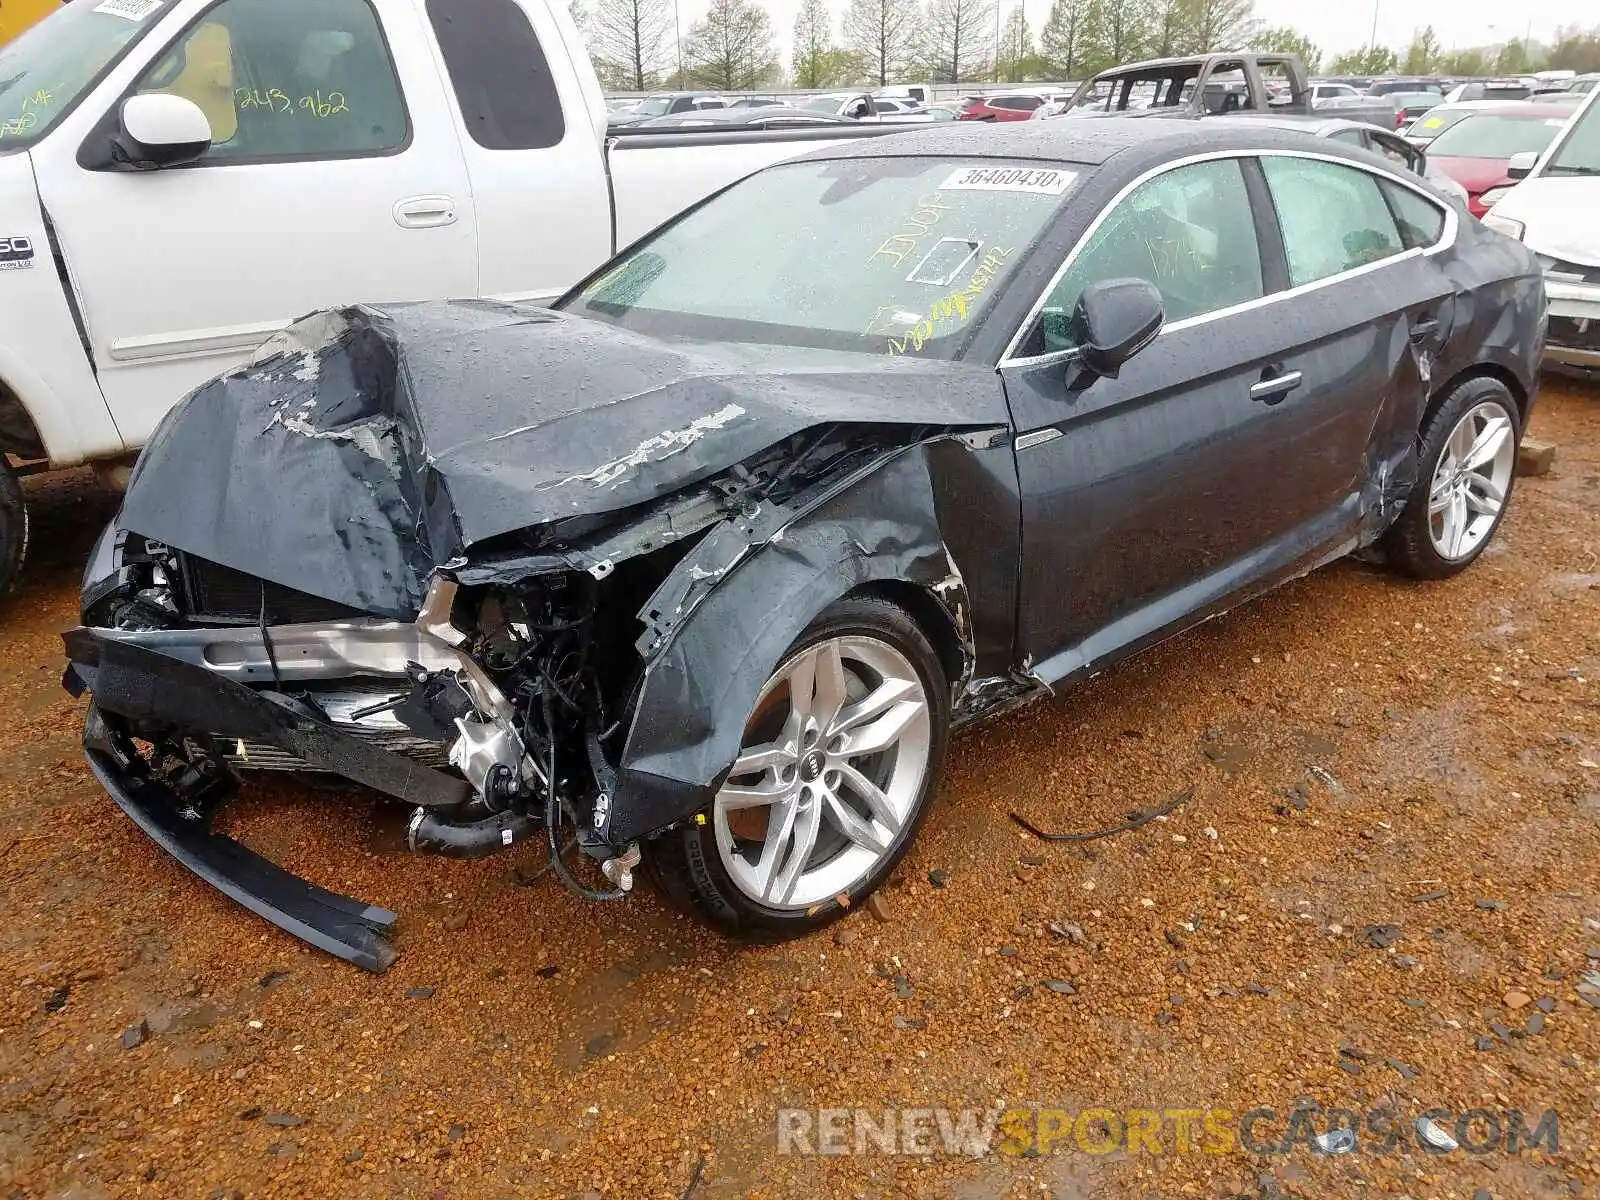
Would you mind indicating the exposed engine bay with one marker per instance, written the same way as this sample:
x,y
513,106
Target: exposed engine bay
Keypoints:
x,y
516,688
528,618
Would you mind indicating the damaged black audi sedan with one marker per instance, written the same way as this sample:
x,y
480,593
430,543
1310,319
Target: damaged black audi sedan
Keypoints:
x,y
701,567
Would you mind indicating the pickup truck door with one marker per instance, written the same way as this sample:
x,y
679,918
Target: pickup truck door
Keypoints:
x,y
335,175
531,126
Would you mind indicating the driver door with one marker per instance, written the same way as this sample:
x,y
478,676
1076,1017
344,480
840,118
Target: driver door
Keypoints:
x,y
334,176
1154,495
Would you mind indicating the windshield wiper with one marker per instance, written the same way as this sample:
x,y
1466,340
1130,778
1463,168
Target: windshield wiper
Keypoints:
x,y
1573,169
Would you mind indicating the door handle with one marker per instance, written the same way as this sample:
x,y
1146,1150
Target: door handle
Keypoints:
x,y
425,212
1274,389
1424,329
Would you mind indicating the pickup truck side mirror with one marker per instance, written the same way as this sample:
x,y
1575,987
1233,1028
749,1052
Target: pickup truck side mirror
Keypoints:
x,y
160,131
1522,165
1115,319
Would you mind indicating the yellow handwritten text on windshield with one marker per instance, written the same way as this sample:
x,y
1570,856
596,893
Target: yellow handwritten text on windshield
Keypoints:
x,y
949,313
900,244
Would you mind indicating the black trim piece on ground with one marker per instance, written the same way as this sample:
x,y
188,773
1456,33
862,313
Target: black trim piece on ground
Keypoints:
x,y
350,929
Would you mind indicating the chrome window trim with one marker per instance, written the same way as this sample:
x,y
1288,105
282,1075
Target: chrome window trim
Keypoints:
x,y
1447,239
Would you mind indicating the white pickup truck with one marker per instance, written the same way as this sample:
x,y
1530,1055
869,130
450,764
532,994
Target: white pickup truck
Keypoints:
x,y
179,179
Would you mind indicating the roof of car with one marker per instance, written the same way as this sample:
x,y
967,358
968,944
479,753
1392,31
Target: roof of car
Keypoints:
x,y
1314,124
1086,141
1524,109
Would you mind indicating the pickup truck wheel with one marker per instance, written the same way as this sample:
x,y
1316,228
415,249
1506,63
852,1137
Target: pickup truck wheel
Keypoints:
x,y
836,769
13,528
1465,473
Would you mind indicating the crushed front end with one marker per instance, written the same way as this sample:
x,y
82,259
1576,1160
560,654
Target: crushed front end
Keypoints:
x,y
490,716
356,557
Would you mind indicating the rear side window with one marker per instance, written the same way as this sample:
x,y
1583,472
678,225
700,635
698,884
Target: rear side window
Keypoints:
x,y
279,81
1421,221
500,74
1334,218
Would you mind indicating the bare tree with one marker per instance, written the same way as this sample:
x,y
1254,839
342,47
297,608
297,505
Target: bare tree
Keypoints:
x,y
1061,39
732,49
1219,24
882,36
958,39
815,58
1015,53
628,41
1114,32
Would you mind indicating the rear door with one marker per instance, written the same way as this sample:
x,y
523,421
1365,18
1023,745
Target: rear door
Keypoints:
x,y
1372,311
334,176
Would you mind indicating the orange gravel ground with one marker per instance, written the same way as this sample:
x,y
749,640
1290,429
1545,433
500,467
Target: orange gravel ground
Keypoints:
x,y
570,1049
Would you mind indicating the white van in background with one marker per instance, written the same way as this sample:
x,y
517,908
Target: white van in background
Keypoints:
x,y
1555,210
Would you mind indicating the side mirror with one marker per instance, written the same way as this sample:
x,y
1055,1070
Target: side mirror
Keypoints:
x,y
1116,319
1522,165
160,131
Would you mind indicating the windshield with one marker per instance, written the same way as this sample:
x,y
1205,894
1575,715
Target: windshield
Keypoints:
x,y
655,106
823,103
881,255
1579,154
45,71
1437,121
1486,135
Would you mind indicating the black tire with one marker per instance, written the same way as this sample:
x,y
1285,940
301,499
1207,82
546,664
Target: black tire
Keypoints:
x,y
13,528
686,862
1408,545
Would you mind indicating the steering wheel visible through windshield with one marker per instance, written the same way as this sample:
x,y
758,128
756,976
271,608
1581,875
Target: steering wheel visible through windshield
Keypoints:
x,y
880,255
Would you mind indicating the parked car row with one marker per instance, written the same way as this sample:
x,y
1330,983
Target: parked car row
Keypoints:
x,y
682,110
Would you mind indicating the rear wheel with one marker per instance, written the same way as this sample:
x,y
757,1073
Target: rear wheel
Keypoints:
x,y
836,767
1466,470
13,528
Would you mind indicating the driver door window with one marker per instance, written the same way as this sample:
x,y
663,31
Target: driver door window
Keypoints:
x,y
305,80
1189,231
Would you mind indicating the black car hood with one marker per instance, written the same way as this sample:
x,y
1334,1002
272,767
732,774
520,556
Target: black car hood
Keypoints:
x,y
364,447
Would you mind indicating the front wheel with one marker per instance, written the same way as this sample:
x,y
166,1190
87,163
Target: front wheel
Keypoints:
x,y
1466,469
836,768
13,528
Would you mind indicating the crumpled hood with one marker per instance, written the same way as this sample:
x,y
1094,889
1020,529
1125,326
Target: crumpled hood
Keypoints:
x,y
364,447
1559,213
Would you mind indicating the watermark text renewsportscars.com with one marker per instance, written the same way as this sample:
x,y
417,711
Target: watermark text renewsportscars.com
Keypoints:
x,y
1031,1131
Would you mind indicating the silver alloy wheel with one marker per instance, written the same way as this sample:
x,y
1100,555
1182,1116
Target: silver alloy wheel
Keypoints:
x,y
829,769
1470,482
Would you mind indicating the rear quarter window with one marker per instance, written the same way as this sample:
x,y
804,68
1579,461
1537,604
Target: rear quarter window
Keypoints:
x,y
500,74
1421,221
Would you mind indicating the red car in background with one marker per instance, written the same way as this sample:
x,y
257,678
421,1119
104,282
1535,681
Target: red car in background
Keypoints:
x,y
1011,106
1477,150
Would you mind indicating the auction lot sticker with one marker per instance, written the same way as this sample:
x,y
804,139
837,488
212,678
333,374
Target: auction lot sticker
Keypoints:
x,y
1040,181
132,10
16,253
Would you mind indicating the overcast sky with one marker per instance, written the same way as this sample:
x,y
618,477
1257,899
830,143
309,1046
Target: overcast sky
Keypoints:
x,y
1335,25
